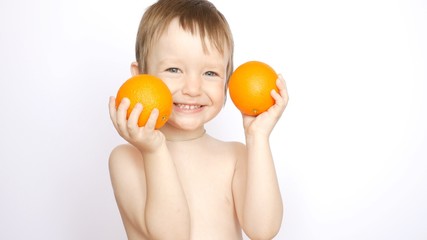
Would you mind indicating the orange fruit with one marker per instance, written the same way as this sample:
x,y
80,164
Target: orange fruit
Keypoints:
x,y
152,93
250,87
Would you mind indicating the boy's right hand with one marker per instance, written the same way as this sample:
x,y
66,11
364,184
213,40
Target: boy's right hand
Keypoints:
x,y
145,138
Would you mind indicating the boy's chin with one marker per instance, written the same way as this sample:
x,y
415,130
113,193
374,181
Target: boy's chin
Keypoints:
x,y
184,125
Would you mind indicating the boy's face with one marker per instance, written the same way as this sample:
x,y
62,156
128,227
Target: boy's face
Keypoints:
x,y
195,77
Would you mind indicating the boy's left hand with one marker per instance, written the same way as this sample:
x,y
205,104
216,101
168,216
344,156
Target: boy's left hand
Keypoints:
x,y
265,122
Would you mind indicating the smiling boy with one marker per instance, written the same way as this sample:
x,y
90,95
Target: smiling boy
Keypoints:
x,y
179,182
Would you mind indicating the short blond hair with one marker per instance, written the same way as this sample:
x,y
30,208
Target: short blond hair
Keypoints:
x,y
196,16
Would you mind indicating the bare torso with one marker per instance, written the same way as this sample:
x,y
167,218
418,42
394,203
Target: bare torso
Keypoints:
x,y
206,172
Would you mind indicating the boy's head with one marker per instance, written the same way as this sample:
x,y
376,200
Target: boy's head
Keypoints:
x,y
196,16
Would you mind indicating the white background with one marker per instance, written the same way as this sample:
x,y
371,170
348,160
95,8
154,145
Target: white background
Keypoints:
x,y
350,150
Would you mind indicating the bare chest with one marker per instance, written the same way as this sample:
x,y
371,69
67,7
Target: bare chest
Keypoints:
x,y
207,183
206,178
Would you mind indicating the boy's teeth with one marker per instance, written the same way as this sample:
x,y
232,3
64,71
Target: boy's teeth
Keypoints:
x,y
188,107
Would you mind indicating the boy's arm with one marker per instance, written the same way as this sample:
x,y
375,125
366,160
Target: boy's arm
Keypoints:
x,y
166,209
257,194
160,209
256,190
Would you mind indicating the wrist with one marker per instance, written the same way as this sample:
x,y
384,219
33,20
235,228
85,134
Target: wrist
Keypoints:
x,y
153,150
257,137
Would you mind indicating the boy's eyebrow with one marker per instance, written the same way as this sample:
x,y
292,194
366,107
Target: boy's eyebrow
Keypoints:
x,y
168,60
216,64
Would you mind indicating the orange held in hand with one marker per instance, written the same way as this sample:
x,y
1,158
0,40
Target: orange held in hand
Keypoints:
x,y
152,93
250,87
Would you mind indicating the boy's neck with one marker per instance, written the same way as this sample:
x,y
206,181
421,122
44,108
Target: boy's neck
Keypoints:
x,y
173,134
186,139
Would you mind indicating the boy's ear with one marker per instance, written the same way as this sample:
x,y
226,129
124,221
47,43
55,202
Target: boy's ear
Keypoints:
x,y
134,69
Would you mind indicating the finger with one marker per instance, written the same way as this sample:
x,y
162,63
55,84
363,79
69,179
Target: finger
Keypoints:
x,y
276,96
151,122
132,123
283,90
121,115
279,101
113,111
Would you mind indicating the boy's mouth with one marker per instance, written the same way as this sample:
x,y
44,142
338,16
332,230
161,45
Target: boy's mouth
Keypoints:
x,y
184,106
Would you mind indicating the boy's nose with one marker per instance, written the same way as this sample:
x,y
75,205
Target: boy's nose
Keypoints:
x,y
192,85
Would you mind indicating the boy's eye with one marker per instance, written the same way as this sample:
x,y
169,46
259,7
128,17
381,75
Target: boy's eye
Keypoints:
x,y
172,70
211,74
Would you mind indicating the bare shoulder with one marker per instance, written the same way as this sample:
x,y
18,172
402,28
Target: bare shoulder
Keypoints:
x,y
124,160
125,164
124,151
